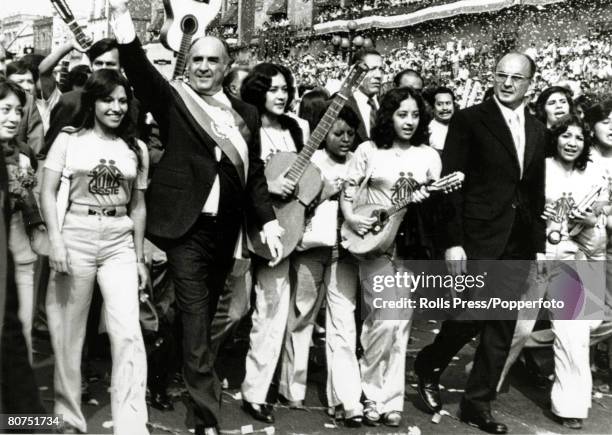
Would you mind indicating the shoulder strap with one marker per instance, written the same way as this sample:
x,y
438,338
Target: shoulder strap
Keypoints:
x,y
206,123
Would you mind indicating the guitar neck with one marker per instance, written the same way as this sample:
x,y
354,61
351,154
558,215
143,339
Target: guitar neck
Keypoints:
x,y
181,57
407,201
83,40
62,81
316,138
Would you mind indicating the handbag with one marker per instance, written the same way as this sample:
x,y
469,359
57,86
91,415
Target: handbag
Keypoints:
x,y
321,229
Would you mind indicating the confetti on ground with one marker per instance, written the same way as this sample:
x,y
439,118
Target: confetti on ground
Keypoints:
x,y
225,384
437,418
107,424
164,428
605,388
235,396
414,430
435,331
456,358
93,402
330,426
246,429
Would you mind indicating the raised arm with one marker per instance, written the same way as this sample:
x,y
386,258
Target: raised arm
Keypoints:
x,y
149,85
47,66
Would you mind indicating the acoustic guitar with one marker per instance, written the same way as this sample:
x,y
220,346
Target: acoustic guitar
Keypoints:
x,y
382,234
67,16
303,174
186,20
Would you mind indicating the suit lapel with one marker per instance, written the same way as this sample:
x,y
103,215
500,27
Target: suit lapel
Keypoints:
x,y
361,130
494,121
530,128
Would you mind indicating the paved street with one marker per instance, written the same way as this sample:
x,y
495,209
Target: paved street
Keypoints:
x,y
524,408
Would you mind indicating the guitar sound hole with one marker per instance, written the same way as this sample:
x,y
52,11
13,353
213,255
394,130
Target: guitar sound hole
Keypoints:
x,y
189,25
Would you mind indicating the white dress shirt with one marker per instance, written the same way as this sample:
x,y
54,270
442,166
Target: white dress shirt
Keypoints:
x,y
437,134
515,119
364,108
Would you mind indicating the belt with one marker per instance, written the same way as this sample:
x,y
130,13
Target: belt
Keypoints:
x,y
92,210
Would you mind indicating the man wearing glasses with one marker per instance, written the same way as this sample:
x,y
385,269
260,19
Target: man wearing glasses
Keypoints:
x,y
499,147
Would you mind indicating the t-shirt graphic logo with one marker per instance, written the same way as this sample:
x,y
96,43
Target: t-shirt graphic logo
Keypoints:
x,y
403,187
562,207
105,179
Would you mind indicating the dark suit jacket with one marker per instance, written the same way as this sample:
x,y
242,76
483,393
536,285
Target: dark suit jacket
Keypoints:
x,y
479,144
68,112
30,129
361,134
185,174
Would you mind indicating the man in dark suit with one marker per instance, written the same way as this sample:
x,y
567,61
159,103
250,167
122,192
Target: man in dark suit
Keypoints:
x,y
201,192
364,101
499,147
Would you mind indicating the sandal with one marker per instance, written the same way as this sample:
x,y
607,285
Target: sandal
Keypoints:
x,y
392,418
371,417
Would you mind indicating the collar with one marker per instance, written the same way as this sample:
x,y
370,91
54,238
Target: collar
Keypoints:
x,y
509,113
360,97
222,98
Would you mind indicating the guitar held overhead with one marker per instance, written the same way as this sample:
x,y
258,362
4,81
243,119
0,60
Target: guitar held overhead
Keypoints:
x,y
186,21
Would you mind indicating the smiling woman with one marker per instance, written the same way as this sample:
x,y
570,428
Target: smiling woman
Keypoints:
x,y
101,236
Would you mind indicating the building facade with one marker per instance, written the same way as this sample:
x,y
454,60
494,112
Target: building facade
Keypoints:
x,y
18,33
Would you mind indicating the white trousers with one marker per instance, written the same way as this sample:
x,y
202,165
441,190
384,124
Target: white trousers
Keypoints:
x,y
343,377
103,248
272,292
384,348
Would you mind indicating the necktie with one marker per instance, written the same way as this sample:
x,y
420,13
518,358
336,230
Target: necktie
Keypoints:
x,y
515,129
373,109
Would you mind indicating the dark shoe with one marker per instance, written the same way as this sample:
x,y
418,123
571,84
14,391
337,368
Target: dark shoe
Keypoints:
x,y
428,388
392,419
258,412
371,417
161,401
353,422
572,423
201,430
483,420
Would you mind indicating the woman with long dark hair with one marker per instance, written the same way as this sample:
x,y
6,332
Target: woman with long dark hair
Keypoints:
x,y
388,170
101,236
270,88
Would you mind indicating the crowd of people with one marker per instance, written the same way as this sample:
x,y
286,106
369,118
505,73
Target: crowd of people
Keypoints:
x,y
112,156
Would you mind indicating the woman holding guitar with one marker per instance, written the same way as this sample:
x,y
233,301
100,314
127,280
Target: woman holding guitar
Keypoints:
x,y
270,88
389,169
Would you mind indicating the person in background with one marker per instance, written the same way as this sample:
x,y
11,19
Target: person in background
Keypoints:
x,y
233,81
31,127
443,104
101,237
553,104
409,78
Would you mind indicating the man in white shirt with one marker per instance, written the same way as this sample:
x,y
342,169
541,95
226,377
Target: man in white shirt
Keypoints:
x,y
443,104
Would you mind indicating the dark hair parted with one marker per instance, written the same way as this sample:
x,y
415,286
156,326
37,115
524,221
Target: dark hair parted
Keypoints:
x,y
598,112
258,83
559,128
346,114
540,104
383,132
100,47
442,90
8,87
98,86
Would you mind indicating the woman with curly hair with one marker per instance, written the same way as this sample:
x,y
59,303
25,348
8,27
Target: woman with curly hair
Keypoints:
x,y
553,104
270,88
391,167
101,236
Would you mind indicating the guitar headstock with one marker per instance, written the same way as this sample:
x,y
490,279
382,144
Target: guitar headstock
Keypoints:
x,y
355,76
67,16
63,10
449,183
